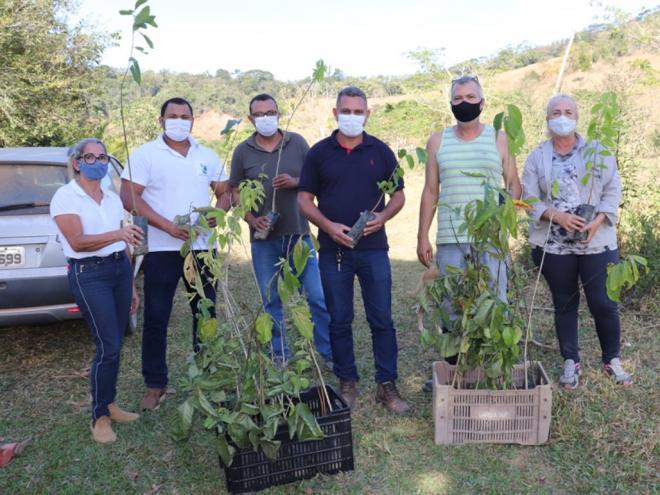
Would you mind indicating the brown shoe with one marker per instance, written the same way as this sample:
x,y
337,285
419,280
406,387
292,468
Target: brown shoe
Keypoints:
x,y
348,391
118,415
102,430
152,399
388,395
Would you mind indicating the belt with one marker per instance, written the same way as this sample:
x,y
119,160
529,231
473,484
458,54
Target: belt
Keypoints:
x,y
118,255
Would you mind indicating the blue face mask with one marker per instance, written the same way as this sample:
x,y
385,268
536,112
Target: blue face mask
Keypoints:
x,y
94,171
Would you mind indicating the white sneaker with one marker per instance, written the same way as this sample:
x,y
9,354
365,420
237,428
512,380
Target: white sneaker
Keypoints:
x,y
615,370
570,378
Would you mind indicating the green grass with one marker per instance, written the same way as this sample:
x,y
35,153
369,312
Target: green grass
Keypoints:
x,y
603,438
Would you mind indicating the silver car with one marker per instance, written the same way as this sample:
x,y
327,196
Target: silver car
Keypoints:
x,y
34,288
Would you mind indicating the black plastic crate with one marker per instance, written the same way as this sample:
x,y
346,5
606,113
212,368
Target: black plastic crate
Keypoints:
x,y
252,471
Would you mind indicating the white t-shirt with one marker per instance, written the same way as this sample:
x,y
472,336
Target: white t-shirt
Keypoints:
x,y
95,218
174,184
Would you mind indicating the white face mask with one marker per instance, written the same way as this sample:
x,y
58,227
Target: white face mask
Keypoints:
x,y
562,125
177,129
266,125
350,125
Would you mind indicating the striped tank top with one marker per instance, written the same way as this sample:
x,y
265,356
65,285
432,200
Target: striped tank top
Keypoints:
x,y
454,157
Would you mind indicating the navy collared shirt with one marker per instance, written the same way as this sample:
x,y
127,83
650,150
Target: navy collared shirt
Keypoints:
x,y
345,183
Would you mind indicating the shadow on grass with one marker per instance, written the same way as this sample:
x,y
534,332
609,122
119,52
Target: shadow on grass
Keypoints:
x,y
602,437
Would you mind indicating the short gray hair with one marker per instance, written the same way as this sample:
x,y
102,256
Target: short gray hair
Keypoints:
x,y
460,81
76,151
556,98
351,91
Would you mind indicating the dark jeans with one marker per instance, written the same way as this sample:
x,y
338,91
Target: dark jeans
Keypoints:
x,y
102,289
372,267
162,271
561,273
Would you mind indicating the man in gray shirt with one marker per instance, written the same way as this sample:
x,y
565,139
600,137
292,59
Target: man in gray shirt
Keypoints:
x,y
274,238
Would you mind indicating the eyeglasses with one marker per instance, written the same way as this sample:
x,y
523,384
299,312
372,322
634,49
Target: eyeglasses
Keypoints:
x,y
90,158
269,113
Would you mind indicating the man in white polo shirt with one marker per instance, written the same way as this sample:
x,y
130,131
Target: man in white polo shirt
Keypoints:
x,y
170,176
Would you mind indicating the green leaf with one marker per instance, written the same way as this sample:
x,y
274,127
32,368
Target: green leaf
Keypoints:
x,y
229,126
474,174
411,161
483,311
134,67
402,152
497,121
270,448
208,330
139,3
125,12
264,328
303,412
204,404
585,180
301,254
186,414
141,18
555,188
422,156
302,319
225,451
508,336
147,40
320,69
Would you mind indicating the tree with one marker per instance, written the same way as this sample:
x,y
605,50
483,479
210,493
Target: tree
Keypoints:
x,y
47,79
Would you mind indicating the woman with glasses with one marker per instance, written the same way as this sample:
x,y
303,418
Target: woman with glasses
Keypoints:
x,y
89,222
569,246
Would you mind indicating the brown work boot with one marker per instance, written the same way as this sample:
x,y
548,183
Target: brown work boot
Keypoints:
x,y
388,395
102,430
348,391
120,416
152,399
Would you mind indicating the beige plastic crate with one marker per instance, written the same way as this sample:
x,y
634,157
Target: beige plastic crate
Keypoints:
x,y
491,416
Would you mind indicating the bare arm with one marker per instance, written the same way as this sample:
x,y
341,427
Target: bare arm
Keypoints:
x,y
71,228
141,206
509,169
429,201
336,231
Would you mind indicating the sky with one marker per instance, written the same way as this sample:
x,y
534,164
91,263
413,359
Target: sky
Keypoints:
x,y
359,37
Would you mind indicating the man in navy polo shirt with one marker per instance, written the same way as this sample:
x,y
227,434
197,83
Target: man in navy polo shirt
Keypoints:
x,y
342,171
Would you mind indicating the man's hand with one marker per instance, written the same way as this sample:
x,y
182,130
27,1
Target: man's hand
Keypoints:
x,y
285,181
337,232
571,223
376,224
258,223
425,252
592,227
177,232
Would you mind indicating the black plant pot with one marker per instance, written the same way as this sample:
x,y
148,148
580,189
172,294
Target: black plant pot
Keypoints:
x,y
586,212
143,247
272,217
357,230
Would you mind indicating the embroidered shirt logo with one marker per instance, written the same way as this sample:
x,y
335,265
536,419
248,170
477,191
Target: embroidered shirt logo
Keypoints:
x,y
203,169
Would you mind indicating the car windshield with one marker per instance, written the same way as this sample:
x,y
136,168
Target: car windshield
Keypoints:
x,y
27,189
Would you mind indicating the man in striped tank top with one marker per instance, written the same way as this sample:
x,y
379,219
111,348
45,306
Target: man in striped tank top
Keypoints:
x,y
469,146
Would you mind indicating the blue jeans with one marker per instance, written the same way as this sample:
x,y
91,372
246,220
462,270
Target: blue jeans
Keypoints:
x,y
162,271
265,255
561,271
372,267
102,288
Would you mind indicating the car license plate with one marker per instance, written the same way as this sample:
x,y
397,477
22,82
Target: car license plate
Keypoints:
x,y
12,256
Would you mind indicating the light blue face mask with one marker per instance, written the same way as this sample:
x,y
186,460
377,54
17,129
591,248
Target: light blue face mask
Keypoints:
x,y
562,125
93,171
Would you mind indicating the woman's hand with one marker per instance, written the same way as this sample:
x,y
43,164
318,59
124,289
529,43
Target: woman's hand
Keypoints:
x,y
571,223
130,234
135,301
592,227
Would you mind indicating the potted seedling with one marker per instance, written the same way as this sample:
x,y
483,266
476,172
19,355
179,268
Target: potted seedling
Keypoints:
x,y
388,186
601,134
265,415
272,215
142,19
488,396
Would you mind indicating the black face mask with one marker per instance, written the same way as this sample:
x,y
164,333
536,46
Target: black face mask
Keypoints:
x,y
465,112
